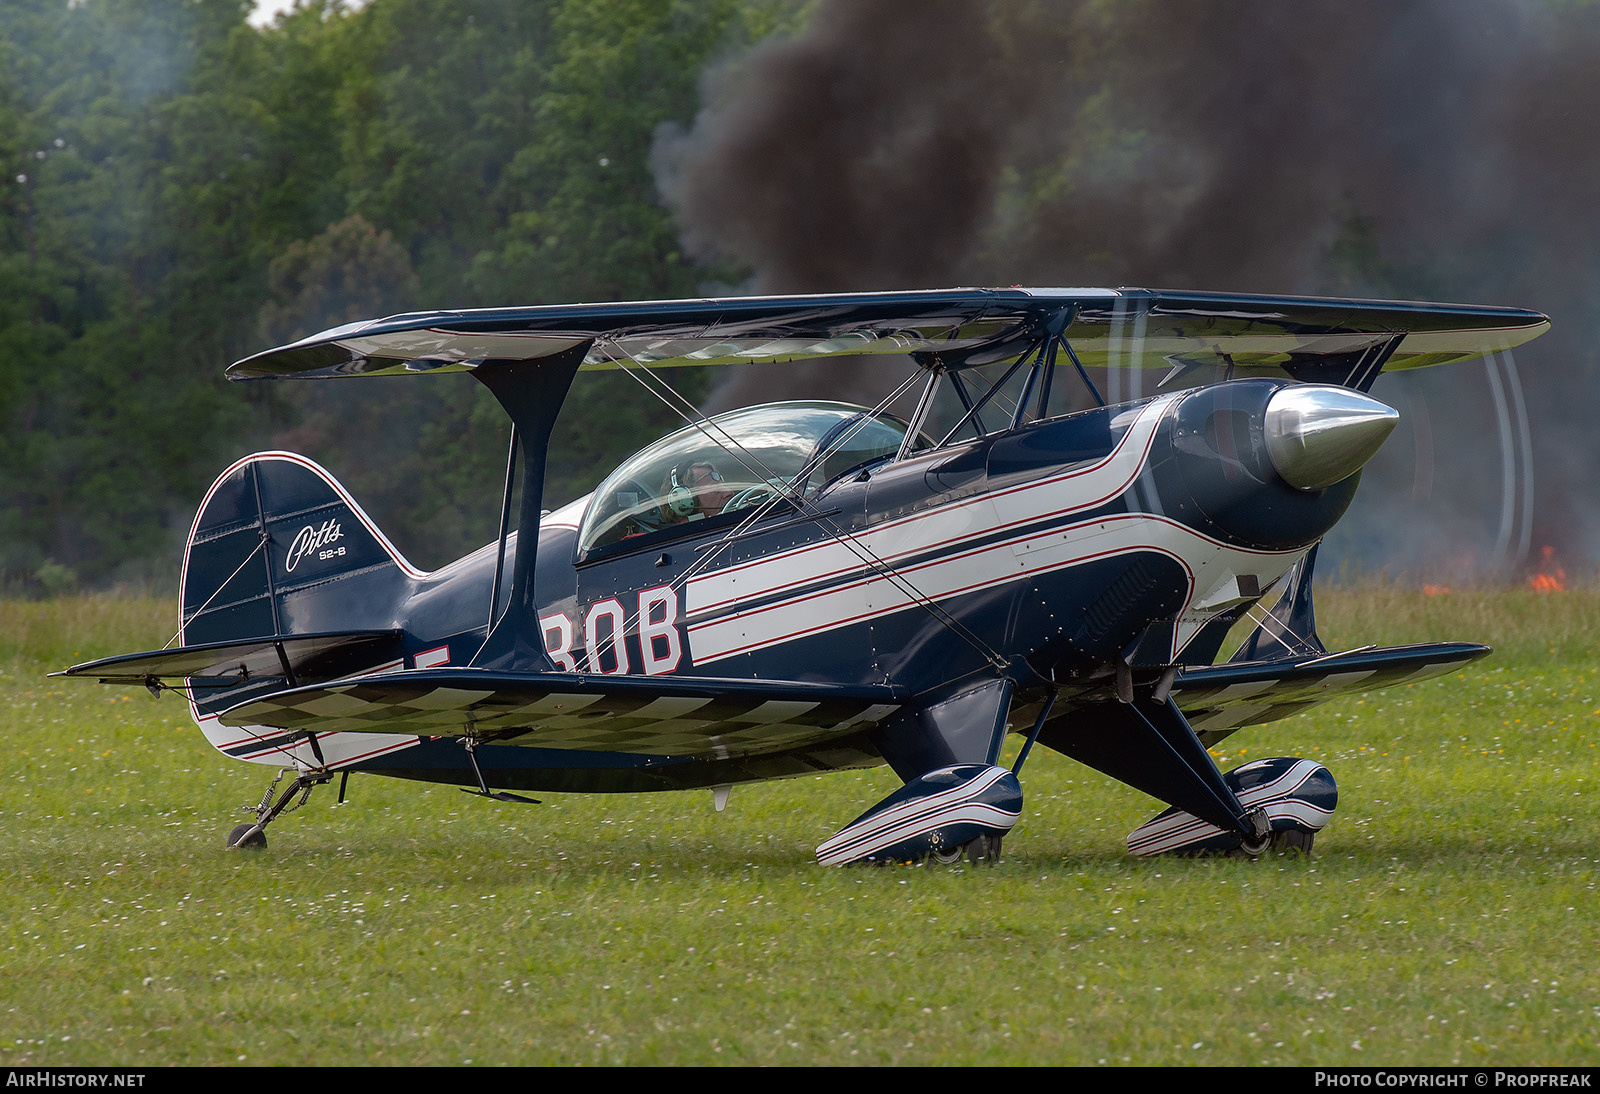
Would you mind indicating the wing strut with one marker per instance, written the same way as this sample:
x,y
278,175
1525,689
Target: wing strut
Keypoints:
x,y
973,411
1088,383
1041,371
1044,365
920,415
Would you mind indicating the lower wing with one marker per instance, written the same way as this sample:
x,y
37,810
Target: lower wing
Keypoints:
x,y
1218,699
661,715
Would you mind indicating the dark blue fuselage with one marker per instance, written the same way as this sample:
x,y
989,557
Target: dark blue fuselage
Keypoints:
x,y
1040,554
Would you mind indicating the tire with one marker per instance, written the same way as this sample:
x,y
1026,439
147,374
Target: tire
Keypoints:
x,y
1293,842
984,848
254,842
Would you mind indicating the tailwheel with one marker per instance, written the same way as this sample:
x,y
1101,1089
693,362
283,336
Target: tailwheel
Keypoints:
x,y
253,836
247,836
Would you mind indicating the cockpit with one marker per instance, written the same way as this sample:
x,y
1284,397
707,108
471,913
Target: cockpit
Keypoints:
x,y
765,455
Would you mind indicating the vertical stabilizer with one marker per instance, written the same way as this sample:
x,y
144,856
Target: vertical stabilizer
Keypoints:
x,y
278,548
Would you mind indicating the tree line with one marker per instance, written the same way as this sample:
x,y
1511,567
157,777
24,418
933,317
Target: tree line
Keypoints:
x,y
181,189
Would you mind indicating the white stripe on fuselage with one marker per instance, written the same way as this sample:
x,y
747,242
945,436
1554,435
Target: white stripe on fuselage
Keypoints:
x,y
835,588
266,745
1208,564
944,528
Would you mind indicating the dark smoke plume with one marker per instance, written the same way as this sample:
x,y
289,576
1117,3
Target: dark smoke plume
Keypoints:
x,y
1432,149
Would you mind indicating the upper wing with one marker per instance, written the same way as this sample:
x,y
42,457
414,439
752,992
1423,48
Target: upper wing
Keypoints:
x,y
1218,699
660,715
961,327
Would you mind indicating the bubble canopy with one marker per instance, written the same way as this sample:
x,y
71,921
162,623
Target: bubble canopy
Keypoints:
x,y
732,463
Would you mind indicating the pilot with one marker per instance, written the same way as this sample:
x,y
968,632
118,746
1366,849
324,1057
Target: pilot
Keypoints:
x,y
694,491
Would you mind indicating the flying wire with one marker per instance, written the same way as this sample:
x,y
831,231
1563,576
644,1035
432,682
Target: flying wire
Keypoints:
x,y
845,539
182,622
863,553
1278,628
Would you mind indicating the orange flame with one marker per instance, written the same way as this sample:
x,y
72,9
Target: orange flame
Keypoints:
x,y
1551,578
1436,590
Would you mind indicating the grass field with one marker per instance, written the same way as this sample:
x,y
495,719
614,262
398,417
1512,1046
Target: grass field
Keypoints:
x,y
1449,914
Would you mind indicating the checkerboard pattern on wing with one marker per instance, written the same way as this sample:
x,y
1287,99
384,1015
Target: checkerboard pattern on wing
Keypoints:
x,y
1220,698
613,721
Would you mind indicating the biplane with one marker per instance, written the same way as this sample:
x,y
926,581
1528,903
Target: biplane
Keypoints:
x,y
802,587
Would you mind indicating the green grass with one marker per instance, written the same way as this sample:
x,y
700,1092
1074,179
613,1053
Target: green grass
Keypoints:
x,y
1448,915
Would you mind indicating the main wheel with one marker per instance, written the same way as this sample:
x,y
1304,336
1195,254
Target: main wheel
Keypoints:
x,y
1292,841
1259,845
985,848
1253,849
242,837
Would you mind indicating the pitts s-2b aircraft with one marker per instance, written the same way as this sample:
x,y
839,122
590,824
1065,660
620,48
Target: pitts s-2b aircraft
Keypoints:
x,y
809,586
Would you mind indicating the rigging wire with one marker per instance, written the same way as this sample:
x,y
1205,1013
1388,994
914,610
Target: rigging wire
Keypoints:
x,y
863,553
182,622
695,418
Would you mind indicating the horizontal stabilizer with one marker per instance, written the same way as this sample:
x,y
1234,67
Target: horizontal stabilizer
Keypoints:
x,y
302,654
652,715
1218,699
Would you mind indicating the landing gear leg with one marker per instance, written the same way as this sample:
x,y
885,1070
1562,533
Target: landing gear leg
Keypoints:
x,y
254,836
